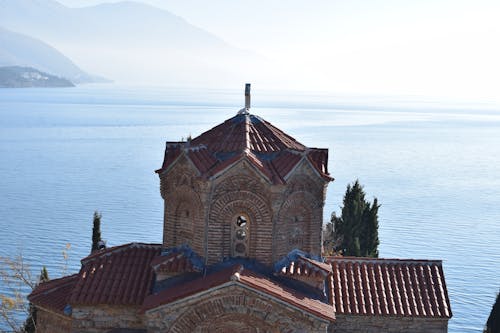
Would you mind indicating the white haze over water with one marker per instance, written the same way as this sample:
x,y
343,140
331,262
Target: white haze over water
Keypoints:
x,y
445,48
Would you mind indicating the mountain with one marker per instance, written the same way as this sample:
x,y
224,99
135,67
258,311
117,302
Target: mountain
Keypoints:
x,y
21,50
25,77
128,41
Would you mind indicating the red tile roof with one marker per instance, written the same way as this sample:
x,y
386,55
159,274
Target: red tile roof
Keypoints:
x,y
120,275
306,267
389,287
246,131
54,294
175,262
245,136
238,275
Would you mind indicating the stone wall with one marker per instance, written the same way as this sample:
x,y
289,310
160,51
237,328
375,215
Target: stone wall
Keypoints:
x,y
231,308
50,322
387,324
102,318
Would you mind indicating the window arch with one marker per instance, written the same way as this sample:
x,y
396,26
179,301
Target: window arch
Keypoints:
x,y
240,226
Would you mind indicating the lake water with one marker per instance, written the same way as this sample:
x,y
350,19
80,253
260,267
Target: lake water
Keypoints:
x,y
434,167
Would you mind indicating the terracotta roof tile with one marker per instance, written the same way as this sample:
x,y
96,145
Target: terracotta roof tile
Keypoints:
x,y
389,287
319,159
202,159
172,151
54,294
179,260
238,275
283,293
285,161
306,267
273,152
120,275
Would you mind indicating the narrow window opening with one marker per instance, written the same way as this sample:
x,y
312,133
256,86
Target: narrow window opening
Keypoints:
x,y
240,235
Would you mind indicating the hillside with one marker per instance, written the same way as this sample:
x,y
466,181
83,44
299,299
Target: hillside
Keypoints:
x,y
128,41
26,77
21,50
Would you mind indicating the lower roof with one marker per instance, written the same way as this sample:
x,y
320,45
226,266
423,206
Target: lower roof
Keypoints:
x,y
124,275
389,287
238,275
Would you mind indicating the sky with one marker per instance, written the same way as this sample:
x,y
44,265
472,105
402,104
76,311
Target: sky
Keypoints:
x,y
399,47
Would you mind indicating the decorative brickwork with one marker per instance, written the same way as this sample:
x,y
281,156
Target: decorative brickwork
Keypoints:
x,y
243,167
231,309
235,196
300,216
184,214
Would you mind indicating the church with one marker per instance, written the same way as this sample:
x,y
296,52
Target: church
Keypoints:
x,y
242,252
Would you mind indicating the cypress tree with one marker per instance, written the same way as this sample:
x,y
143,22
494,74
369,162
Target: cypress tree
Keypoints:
x,y
44,275
493,323
30,323
96,232
356,230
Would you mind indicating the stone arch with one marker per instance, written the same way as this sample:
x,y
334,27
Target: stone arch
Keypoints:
x,y
234,322
227,207
183,219
298,224
246,179
235,312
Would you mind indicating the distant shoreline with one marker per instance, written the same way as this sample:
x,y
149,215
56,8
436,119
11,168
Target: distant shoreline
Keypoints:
x,y
29,77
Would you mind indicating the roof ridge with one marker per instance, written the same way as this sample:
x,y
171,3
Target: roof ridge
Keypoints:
x,y
386,260
53,284
114,249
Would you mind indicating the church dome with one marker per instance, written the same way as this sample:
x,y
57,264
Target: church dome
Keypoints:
x,y
273,152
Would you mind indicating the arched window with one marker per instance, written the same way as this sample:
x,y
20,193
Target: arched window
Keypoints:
x,y
296,232
239,233
183,224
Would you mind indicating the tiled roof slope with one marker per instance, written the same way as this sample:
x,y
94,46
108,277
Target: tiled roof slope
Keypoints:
x,y
239,275
246,131
119,275
306,267
181,259
54,294
389,287
273,152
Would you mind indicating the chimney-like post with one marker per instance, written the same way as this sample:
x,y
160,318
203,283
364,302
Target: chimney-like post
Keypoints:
x,y
247,96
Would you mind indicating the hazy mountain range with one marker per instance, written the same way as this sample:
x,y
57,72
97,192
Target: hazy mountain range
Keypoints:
x,y
128,41
21,50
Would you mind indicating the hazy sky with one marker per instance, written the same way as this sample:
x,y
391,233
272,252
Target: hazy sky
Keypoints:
x,y
417,47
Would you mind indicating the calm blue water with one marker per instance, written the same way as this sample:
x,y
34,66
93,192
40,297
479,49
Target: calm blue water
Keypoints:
x,y
435,168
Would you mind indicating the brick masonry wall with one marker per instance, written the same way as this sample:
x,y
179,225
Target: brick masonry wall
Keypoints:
x,y
386,324
300,217
281,217
240,191
231,309
100,319
184,213
49,322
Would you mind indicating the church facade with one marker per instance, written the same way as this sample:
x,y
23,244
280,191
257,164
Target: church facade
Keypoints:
x,y
242,252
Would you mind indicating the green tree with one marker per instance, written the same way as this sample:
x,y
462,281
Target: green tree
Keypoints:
x,y
355,232
30,323
96,232
493,323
